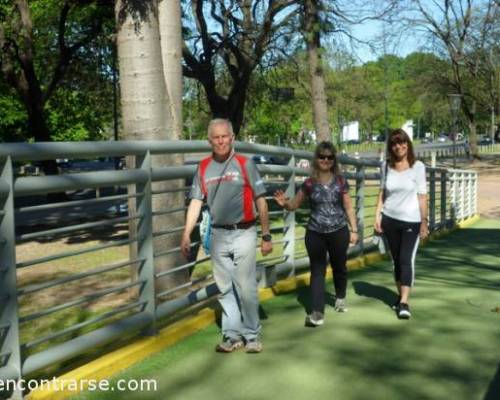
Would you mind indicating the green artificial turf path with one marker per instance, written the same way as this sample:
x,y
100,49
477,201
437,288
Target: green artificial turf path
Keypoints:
x,y
450,349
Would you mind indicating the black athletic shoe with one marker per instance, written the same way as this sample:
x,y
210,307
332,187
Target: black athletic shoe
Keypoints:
x,y
404,311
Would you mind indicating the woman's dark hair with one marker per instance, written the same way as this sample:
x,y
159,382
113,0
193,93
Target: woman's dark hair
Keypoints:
x,y
320,149
399,136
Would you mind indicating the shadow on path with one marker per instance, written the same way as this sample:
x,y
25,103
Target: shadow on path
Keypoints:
x,y
493,392
381,293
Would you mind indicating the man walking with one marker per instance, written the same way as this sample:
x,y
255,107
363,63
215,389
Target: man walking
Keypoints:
x,y
233,189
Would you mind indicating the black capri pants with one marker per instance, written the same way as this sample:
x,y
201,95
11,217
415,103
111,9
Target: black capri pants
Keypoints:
x,y
403,238
318,245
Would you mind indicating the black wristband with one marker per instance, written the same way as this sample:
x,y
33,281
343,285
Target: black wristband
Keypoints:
x,y
267,237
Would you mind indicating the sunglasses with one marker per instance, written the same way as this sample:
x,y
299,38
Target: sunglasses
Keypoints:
x,y
326,157
398,141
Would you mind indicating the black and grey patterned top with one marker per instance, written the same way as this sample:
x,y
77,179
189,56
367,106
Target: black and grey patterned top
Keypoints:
x,y
327,210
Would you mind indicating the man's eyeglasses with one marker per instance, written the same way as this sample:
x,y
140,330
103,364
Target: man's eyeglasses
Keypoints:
x,y
326,157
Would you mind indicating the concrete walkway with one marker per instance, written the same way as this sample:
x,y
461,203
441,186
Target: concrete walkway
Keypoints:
x,y
450,349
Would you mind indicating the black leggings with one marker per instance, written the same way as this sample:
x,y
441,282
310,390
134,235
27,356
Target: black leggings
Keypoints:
x,y
403,238
318,245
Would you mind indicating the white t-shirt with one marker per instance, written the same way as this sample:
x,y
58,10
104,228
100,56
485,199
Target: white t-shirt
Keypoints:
x,y
401,190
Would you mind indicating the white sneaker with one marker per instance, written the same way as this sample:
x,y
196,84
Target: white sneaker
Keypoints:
x,y
316,318
340,305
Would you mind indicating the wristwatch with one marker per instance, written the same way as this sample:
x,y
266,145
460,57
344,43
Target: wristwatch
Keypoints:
x,y
267,237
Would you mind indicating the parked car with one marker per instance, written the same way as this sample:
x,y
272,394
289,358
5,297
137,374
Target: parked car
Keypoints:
x,y
427,140
485,140
265,159
442,138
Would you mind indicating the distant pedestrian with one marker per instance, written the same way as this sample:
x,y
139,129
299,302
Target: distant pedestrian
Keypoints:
x,y
401,213
327,230
467,149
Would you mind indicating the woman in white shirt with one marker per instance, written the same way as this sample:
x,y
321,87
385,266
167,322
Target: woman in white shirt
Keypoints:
x,y
401,213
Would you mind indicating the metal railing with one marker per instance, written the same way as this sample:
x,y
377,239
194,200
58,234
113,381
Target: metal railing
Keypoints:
x,y
72,301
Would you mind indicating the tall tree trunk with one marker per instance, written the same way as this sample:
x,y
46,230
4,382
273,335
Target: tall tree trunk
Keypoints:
x,y
318,95
146,114
169,17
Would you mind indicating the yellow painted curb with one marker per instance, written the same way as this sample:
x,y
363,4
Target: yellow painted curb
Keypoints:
x,y
112,363
265,294
469,222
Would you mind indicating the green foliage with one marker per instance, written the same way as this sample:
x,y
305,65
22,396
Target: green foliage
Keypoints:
x,y
81,106
12,117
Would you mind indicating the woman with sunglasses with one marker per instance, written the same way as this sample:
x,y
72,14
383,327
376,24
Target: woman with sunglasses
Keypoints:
x,y
327,231
401,213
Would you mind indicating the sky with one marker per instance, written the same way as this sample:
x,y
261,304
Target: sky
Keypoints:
x,y
371,29
402,46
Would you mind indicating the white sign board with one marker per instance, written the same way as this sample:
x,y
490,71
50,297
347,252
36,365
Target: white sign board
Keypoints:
x,y
350,131
408,128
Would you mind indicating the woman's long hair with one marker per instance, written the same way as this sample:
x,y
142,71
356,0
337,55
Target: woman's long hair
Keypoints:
x,y
399,136
320,148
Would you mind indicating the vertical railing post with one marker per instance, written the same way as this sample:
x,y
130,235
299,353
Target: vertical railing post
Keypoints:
x,y
360,205
471,194
443,222
474,204
10,350
462,195
145,249
432,199
453,198
290,222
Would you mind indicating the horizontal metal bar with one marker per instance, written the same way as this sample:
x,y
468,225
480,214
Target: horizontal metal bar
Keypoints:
x,y
279,212
169,231
270,261
37,287
168,173
89,150
174,250
169,291
57,183
176,190
171,306
83,343
176,269
75,253
76,203
71,228
73,328
171,211
84,299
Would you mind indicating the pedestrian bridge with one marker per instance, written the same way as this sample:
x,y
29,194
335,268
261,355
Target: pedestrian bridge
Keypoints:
x,y
90,270
448,350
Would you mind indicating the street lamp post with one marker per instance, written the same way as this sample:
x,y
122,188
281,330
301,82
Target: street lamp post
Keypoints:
x,y
455,101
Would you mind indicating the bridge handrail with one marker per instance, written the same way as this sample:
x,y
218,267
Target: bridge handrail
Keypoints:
x,y
452,197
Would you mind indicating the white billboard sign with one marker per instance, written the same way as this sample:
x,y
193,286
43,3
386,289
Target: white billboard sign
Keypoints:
x,y
408,128
350,131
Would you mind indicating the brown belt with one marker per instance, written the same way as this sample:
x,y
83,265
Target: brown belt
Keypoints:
x,y
232,227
